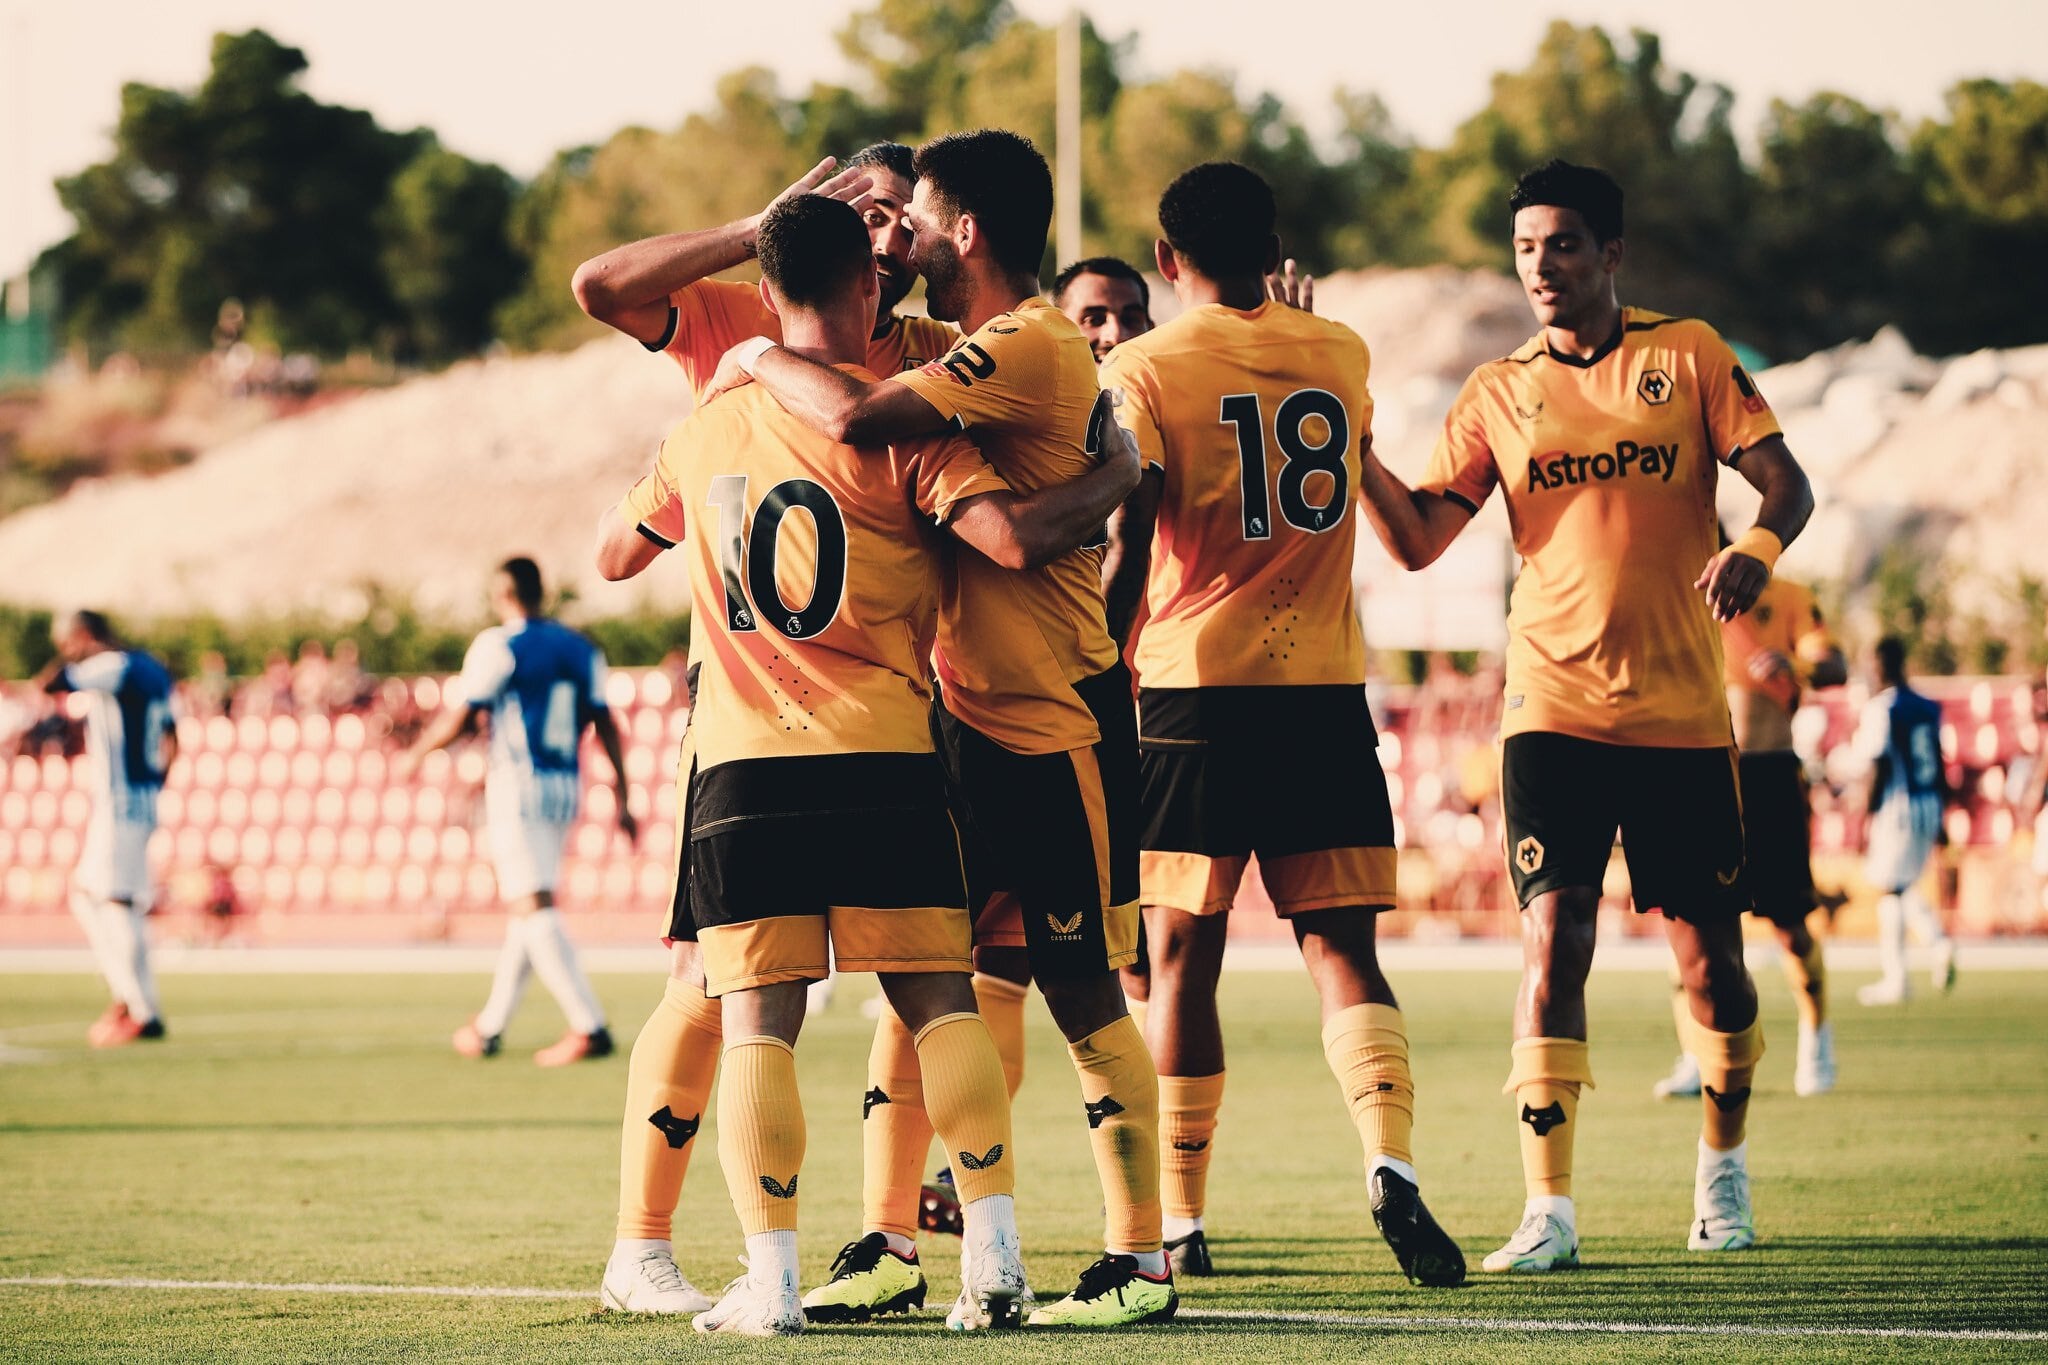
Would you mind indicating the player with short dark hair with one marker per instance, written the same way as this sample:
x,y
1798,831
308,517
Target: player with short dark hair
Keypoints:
x,y
1251,415
133,739
656,291
1606,432
1898,744
539,684
811,732
1034,714
1106,298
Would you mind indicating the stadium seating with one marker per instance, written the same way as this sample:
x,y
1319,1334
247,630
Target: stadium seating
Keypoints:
x,y
306,816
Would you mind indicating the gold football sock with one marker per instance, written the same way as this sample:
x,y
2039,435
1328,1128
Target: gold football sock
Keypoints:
x,y
1545,1081
1002,1008
761,1133
1187,1127
1809,978
1121,1093
1138,1009
1727,1066
963,1086
1367,1048
1681,1010
674,1060
895,1131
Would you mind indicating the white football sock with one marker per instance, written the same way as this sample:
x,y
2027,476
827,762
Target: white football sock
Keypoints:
x,y
989,1218
86,911
1558,1206
1393,1163
1921,919
1149,1262
510,981
1891,938
1173,1229
771,1258
127,958
554,959
1711,1160
898,1243
633,1248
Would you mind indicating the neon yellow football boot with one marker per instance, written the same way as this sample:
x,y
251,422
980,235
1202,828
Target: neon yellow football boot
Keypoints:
x,y
1112,1293
867,1279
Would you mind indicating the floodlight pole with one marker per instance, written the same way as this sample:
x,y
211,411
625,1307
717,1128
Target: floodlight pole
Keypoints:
x,y
1067,140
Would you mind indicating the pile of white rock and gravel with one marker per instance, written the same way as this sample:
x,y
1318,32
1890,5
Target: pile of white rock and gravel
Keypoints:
x,y
424,487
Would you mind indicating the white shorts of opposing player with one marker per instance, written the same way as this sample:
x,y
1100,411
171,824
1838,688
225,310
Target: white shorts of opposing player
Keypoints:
x,y
1903,835
110,897
528,857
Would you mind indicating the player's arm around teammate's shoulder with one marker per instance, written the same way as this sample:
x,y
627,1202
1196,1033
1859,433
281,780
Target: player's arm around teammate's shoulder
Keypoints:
x,y
648,520
1128,557
838,406
1026,531
628,287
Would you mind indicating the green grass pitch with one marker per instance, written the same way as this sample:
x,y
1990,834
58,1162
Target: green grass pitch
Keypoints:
x,y
317,1130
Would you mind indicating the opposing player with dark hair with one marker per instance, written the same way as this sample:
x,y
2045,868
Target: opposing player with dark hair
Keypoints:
x,y
1898,743
1251,416
811,733
540,684
133,739
1606,433
1034,713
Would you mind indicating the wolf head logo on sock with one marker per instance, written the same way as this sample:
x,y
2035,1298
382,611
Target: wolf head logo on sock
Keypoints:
x,y
1544,1119
1727,1104
1101,1110
776,1191
982,1163
871,1099
678,1131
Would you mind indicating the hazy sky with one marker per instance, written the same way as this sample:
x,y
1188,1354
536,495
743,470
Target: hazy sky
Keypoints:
x,y
514,83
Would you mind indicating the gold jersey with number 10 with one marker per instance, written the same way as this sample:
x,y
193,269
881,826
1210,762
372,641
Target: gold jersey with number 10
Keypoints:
x,y
1254,420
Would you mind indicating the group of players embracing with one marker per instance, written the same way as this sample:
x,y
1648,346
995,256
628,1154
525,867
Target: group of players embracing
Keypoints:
x,y
992,647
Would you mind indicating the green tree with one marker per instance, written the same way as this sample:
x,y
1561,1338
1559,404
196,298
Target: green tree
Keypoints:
x,y
1986,174
1662,133
1837,214
446,252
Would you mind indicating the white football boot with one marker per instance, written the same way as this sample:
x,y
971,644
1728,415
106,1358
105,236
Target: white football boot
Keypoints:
x,y
1545,1241
994,1290
1721,1219
757,1308
1886,990
645,1279
1683,1082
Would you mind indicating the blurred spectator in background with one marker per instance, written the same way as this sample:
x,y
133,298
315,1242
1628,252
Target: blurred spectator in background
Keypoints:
x,y
210,692
309,679
348,687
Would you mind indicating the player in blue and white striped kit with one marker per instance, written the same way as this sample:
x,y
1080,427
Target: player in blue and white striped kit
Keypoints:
x,y
1900,741
539,683
131,739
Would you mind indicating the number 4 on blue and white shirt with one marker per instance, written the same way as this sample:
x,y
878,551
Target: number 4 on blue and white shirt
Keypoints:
x,y
541,682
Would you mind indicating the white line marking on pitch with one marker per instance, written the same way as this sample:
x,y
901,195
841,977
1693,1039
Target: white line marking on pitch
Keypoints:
x,y
1660,1329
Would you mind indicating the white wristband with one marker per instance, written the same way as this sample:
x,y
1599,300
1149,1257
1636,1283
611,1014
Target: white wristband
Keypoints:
x,y
749,351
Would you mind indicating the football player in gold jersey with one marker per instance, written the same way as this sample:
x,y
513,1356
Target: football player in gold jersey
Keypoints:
x,y
1775,651
1035,717
1254,735
817,810
656,292
1605,433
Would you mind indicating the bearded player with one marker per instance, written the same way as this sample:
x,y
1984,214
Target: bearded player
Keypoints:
x,y
1034,715
657,291
1605,433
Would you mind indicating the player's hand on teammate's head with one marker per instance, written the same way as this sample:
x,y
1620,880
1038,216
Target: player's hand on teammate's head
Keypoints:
x,y
851,184
1732,582
1294,290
